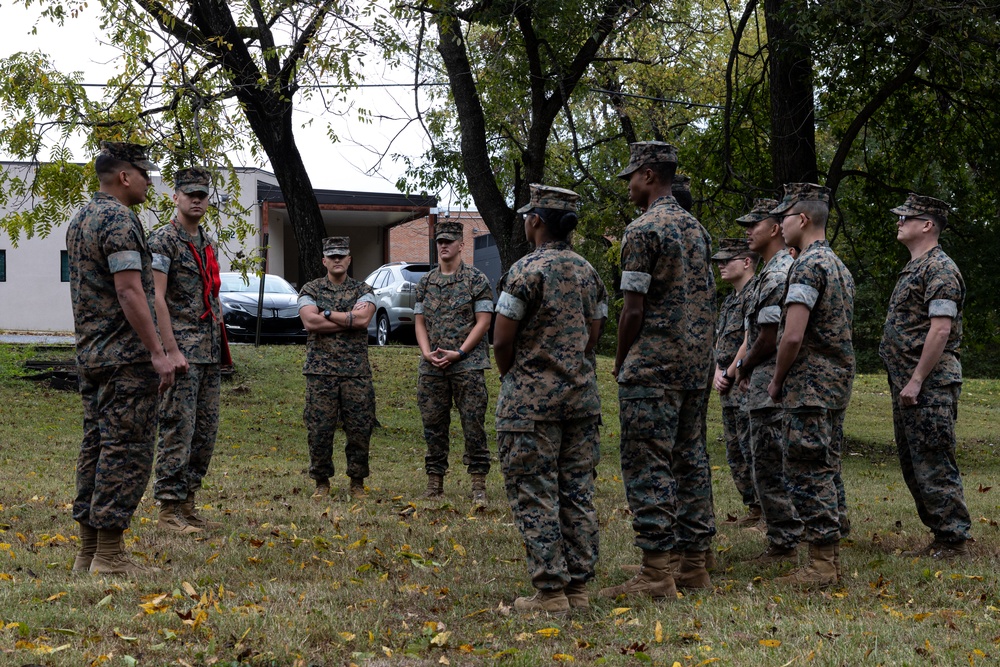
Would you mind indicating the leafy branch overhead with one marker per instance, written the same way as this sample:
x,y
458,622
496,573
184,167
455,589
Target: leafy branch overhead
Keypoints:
x,y
201,82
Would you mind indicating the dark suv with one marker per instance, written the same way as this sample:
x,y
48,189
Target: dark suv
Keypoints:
x,y
395,287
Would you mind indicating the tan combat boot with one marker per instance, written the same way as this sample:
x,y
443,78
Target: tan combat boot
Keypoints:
x,y
322,489
171,519
435,487
357,488
88,547
691,572
653,579
820,571
675,561
751,518
774,555
187,510
479,490
551,602
576,593
111,558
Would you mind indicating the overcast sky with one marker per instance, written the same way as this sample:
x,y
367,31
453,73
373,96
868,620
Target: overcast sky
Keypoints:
x,y
340,166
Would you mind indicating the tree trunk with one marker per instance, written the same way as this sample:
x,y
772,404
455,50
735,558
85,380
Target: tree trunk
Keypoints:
x,y
793,127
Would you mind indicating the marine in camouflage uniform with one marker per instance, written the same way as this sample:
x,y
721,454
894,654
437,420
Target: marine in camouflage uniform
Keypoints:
x,y
186,272
920,348
664,366
763,315
335,310
549,317
729,336
814,387
453,312
119,356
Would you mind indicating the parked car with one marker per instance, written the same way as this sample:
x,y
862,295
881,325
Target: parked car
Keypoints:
x,y
395,286
280,321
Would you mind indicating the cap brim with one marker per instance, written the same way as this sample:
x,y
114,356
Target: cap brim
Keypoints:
x,y
145,165
527,207
782,207
337,253
905,210
188,189
448,236
629,170
724,255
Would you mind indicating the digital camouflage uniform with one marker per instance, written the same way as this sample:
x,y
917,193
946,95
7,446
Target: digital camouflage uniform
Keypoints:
x,y
117,380
728,338
189,409
449,304
929,286
548,410
339,386
765,294
664,382
817,390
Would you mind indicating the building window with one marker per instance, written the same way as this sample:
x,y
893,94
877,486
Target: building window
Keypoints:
x,y
64,266
3,266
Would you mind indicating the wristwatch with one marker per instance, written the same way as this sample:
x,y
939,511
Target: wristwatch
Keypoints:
x,y
739,364
726,374
462,354
326,314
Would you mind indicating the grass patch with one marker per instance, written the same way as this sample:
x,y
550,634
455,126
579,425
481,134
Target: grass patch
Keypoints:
x,y
397,580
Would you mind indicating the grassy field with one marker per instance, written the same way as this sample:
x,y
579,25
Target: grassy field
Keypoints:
x,y
394,580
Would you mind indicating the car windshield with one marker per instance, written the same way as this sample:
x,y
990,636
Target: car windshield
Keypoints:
x,y
235,282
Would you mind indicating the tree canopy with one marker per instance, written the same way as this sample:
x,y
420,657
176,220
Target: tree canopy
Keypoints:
x,y
196,80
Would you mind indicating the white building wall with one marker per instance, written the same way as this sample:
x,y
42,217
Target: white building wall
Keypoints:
x,y
33,297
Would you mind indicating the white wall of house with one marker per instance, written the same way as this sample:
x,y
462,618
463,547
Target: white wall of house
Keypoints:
x,y
34,298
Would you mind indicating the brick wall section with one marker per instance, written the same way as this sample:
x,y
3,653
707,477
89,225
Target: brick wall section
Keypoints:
x,y
408,242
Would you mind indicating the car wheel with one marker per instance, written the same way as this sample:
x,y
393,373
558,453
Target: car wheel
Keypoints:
x,y
382,329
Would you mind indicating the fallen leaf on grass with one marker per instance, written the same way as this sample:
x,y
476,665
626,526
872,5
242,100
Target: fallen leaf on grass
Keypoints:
x,y
347,636
53,598
770,643
563,657
984,489
441,639
548,632
658,633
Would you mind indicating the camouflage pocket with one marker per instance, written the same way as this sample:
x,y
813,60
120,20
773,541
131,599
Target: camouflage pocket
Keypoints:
x,y
808,436
517,446
643,419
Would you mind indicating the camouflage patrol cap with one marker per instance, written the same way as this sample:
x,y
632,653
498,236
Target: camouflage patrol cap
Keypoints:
x,y
642,153
548,196
334,246
134,154
919,204
450,231
682,183
193,179
796,192
731,249
761,211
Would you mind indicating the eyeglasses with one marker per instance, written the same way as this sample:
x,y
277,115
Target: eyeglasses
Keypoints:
x,y
525,216
904,218
788,215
